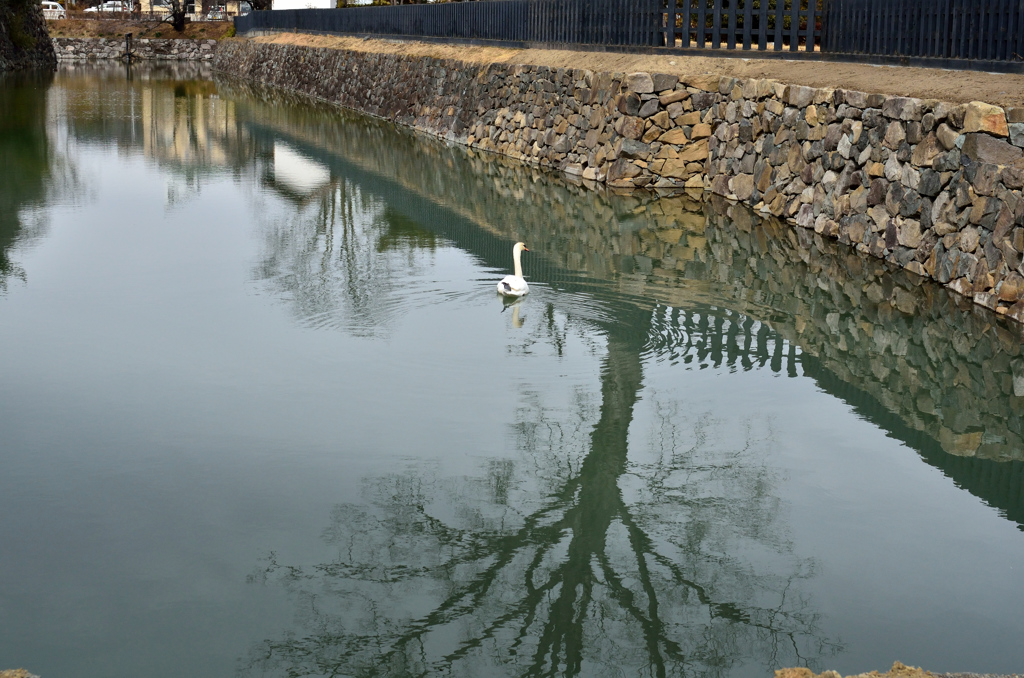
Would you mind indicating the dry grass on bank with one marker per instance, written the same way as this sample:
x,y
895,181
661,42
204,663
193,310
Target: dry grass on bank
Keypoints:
x,y
898,670
923,83
139,28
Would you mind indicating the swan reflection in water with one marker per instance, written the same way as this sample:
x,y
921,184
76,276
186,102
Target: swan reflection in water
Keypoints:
x,y
515,303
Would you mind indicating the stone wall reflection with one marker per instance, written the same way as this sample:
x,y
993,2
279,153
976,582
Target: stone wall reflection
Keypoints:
x,y
941,366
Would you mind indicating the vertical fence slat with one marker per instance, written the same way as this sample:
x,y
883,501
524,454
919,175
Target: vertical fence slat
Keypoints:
x,y
670,24
748,23
780,9
973,9
1017,51
730,40
990,34
812,9
701,21
794,25
762,25
716,25
684,35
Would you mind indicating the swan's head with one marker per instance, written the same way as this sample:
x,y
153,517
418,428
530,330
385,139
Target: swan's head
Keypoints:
x,y
521,247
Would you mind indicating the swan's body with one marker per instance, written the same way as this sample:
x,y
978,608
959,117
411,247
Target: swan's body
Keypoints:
x,y
515,285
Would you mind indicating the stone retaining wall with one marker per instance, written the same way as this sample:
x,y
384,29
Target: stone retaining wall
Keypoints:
x,y
24,42
930,186
81,49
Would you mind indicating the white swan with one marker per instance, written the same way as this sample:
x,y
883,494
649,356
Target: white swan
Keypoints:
x,y
515,285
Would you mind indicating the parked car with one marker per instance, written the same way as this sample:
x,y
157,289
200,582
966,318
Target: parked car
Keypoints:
x,y
53,10
111,6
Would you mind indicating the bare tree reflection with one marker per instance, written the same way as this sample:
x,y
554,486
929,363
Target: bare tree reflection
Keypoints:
x,y
599,560
336,261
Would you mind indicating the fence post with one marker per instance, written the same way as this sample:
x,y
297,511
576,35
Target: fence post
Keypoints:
x,y
748,23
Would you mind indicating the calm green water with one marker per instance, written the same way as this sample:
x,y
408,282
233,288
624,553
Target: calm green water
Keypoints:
x,y
263,414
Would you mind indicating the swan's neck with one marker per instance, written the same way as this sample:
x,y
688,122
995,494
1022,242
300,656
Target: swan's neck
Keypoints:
x,y
519,266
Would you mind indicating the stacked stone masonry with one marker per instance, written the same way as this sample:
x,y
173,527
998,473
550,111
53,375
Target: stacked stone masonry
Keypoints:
x,y
82,49
930,186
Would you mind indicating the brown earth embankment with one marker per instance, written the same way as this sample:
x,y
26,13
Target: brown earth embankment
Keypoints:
x,y
923,83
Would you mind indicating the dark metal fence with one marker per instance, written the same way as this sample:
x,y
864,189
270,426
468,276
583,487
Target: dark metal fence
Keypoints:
x,y
953,31
745,24
594,22
991,30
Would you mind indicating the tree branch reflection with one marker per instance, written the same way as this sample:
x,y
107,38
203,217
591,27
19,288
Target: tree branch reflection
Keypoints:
x,y
622,562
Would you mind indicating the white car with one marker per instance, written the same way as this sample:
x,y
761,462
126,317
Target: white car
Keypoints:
x,y
111,6
53,10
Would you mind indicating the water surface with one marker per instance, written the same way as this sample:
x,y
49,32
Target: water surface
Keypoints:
x,y
262,413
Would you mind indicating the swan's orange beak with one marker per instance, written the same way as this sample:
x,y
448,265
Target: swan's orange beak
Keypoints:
x,y
525,248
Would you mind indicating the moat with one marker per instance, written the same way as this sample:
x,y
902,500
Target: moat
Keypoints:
x,y
263,413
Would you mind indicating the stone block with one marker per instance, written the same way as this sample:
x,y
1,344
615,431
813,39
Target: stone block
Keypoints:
x,y
673,168
663,82
926,151
981,147
947,136
930,183
800,96
903,108
742,185
706,82
688,119
774,106
703,100
982,117
1015,114
622,169
720,185
633,149
641,83
675,136
1017,134
629,103
695,152
895,135
674,96
700,131
649,108
855,99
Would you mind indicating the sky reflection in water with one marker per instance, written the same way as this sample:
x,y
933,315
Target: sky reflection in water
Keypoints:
x,y
263,413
